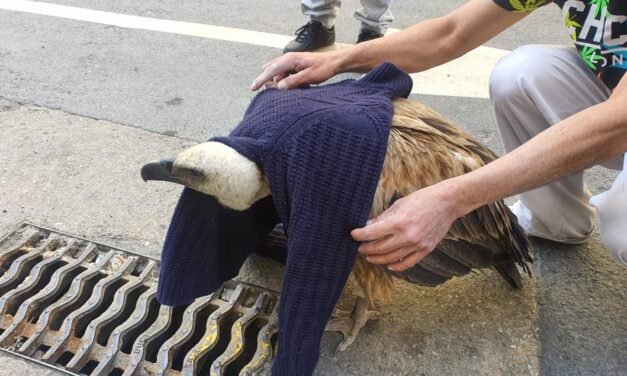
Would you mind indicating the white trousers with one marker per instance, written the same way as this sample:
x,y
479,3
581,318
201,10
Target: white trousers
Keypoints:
x,y
374,15
531,89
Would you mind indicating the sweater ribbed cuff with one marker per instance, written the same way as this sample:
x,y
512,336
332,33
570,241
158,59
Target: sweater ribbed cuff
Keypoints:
x,y
391,78
174,289
296,365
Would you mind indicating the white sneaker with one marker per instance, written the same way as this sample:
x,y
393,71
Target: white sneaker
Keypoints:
x,y
524,216
611,206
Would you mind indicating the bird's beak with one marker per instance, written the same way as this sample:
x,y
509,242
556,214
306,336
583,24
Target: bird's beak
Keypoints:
x,y
160,170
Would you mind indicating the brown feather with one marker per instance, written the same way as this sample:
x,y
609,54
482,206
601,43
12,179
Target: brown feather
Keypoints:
x,y
423,149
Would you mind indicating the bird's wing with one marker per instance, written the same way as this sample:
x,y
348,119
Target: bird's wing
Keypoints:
x,y
423,149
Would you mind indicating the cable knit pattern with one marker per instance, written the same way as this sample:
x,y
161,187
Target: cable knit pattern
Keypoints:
x,y
322,149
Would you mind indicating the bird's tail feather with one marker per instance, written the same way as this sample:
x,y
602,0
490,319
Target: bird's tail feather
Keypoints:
x,y
509,271
520,243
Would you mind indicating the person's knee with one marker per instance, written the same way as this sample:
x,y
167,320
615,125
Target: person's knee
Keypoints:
x,y
524,66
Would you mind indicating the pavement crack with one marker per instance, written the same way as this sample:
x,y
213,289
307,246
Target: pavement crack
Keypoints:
x,y
13,105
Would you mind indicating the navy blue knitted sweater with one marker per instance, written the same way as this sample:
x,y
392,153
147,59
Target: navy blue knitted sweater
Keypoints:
x,y
322,150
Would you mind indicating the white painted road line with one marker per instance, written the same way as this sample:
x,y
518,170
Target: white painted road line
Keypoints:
x,y
467,76
464,77
147,23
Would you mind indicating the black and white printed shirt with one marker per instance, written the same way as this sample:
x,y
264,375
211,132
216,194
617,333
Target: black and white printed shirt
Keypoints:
x,y
597,27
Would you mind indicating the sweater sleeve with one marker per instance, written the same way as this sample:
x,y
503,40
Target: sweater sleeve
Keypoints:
x,y
328,199
207,244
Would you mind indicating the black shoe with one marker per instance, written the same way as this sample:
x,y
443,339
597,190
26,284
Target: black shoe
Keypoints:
x,y
311,37
366,35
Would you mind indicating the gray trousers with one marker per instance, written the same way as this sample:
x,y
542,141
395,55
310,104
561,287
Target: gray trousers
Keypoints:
x,y
374,15
531,89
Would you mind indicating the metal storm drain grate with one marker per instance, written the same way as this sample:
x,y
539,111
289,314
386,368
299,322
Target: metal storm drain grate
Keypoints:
x,y
91,309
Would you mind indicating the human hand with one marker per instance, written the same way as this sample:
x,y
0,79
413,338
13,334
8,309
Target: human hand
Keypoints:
x,y
296,69
408,230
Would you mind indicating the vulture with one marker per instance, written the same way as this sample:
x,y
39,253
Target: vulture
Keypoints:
x,y
423,149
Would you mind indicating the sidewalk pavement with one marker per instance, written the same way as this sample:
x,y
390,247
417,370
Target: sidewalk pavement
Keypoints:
x,y
81,176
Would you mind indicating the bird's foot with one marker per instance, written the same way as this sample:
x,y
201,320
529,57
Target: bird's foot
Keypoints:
x,y
350,323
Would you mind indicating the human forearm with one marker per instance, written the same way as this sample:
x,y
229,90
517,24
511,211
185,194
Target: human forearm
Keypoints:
x,y
431,42
596,134
400,49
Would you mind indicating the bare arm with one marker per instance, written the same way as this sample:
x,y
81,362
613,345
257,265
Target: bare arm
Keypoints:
x,y
591,136
414,225
420,47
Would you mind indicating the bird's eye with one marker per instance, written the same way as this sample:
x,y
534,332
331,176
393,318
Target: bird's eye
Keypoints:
x,y
198,175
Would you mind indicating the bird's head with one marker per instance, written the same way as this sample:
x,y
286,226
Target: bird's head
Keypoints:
x,y
215,169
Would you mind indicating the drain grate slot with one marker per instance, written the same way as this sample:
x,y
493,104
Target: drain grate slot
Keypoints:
x,y
87,288
151,317
105,302
17,248
152,347
250,336
106,330
89,367
201,320
223,341
21,271
20,297
91,309
65,358
64,286
10,258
